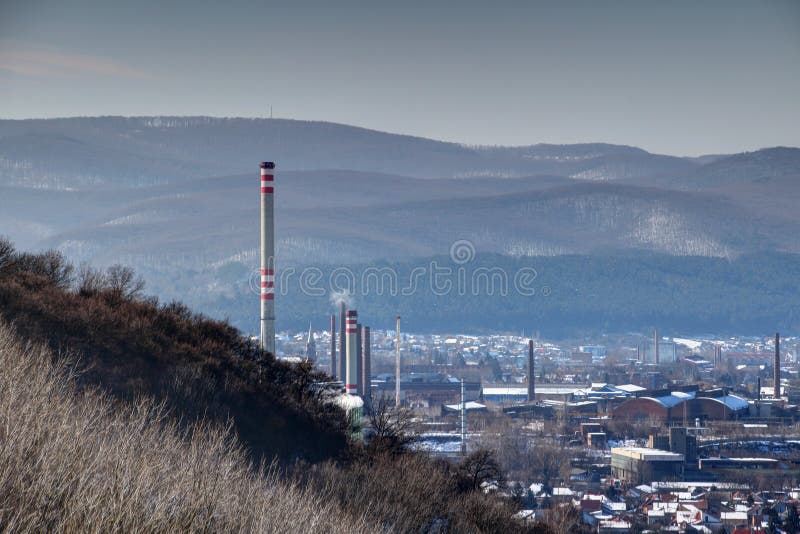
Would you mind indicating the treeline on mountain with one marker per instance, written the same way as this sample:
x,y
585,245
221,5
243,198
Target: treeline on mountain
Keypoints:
x,y
573,295
132,346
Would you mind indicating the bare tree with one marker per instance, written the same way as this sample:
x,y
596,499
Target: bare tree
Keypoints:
x,y
90,280
563,519
123,282
391,429
479,467
548,463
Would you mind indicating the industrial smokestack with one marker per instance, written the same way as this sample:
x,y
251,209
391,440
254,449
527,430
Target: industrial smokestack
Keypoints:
x,y
758,390
777,370
397,363
342,345
463,419
366,366
655,345
351,369
531,380
333,346
268,256
359,362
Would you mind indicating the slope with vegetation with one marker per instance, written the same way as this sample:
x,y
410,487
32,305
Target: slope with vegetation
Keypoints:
x,y
134,346
158,422
76,461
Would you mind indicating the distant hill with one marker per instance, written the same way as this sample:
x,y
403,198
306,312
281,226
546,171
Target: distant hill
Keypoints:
x,y
767,166
563,296
131,152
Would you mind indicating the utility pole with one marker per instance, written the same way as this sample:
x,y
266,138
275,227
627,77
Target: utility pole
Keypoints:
x,y
463,419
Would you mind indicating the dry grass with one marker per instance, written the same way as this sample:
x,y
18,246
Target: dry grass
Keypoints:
x,y
76,461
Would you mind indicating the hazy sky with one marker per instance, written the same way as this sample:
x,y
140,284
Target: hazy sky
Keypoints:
x,y
678,77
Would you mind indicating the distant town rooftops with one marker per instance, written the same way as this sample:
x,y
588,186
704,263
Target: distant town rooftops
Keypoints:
x,y
631,388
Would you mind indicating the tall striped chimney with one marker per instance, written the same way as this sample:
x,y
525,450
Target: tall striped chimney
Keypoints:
x,y
342,345
366,367
351,328
531,381
268,256
777,369
333,346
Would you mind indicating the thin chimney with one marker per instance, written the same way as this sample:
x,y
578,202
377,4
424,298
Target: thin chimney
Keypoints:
x,y
777,366
655,345
351,380
333,346
366,367
397,363
463,419
531,380
268,256
359,362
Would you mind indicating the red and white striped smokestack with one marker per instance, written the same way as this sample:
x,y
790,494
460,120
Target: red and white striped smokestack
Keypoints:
x,y
351,330
268,256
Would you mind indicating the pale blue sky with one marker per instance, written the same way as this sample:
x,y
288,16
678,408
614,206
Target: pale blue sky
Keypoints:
x,y
677,77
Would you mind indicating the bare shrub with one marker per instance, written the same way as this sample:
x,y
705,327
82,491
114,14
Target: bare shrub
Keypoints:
x,y
51,265
6,253
90,281
391,429
410,492
123,282
75,461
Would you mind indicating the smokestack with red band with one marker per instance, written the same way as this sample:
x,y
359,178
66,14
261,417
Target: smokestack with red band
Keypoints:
x,y
268,256
351,334
333,346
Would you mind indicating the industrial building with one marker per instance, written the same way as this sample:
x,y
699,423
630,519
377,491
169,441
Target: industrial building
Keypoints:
x,y
425,389
686,405
638,465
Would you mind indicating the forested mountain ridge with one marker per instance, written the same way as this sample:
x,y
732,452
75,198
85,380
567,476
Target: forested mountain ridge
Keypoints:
x,y
176,198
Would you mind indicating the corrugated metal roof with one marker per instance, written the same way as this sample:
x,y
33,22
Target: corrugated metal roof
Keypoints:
x,y
673,399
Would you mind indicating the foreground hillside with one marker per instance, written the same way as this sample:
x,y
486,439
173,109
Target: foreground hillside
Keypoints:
x,y
157,418
79,462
